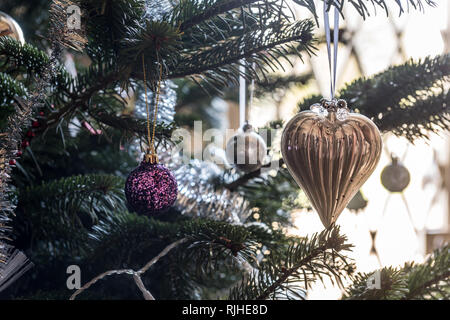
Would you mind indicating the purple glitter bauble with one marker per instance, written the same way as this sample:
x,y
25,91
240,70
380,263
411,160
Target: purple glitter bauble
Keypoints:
x,y
150,189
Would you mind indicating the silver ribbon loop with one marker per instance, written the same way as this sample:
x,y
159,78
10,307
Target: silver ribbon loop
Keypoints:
x,y
332,66
242,89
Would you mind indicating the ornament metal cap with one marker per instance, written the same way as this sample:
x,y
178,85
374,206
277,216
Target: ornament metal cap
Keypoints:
x,y
394,159
247,127
151,158
333,104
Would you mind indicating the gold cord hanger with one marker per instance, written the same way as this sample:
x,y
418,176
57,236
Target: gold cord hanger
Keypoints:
x,y
151,155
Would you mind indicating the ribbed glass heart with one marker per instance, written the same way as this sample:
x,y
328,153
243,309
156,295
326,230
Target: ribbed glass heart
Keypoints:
x,y
330,153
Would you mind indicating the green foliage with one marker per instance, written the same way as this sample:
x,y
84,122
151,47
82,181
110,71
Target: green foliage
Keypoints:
x,y
85,193
25,58
208,240
409,100
130,126
273,84
116,13
212,248
363,6
428,281
229,36
288,272
107,23
58,153
392,282
55,211
94,87
202,39
9,89
155,40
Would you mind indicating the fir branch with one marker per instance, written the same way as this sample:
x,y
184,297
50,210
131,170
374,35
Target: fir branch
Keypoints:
x,y
385,284
108,21
429,280
18,59
273,83
209,243
247,46
10,89
211,246
201,11
432,284
57,215
428,114
242,180
26,56
130,125
236,240
74,95
213,47
81,101
92,194
362,6
305,261
159,41
8,144
13,264
258,50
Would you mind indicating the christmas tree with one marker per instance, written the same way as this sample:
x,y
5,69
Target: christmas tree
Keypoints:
x,y
74,122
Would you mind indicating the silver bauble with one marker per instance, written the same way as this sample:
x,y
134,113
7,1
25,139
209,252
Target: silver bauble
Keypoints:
x,y
395,177
358,202
246,150
216,155
9,27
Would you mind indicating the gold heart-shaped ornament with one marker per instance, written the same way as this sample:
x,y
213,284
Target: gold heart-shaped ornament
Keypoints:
x,y
330,152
